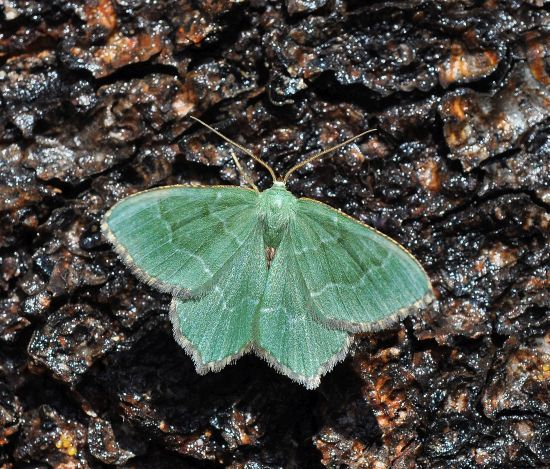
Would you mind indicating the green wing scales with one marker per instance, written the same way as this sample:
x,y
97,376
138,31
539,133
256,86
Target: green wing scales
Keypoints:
x,y
176,238
218,327
358,279
289,338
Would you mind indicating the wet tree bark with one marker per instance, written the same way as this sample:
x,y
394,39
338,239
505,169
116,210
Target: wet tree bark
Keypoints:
x,y
95,98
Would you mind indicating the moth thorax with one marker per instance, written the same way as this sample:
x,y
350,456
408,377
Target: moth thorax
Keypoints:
x,y
277,208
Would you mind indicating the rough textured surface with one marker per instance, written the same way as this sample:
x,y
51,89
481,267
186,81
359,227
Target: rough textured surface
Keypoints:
x,y
94,99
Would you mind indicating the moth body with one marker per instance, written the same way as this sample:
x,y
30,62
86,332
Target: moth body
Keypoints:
x,y
277,207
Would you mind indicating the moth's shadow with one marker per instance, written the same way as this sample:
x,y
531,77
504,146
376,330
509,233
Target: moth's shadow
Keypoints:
x,y
154,383
344,409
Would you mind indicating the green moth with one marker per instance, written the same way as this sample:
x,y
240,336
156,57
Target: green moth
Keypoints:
x,y
290,279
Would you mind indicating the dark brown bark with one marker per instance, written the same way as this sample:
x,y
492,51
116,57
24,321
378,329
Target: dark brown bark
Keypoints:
x,y
95,98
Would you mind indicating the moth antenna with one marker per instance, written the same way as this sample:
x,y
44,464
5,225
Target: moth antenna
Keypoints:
x,y
324,152
244,173
236,145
